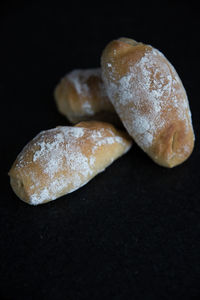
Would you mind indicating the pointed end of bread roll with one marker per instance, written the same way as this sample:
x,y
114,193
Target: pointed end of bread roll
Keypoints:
x,y
173,146
63,95
17,186
128,41
122,45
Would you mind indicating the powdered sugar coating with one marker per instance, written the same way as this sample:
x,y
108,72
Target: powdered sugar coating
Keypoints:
x,y
150,87
62,149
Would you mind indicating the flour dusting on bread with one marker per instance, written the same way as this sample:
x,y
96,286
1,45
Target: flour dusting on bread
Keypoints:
x,y
65,159
150,90
87,91
79,78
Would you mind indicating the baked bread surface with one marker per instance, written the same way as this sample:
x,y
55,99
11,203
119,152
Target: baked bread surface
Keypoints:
x,y
61,160
81,96
150,100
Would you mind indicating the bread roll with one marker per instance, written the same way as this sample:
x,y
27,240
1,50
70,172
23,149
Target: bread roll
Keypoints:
x,y
150,99
81,96
58,161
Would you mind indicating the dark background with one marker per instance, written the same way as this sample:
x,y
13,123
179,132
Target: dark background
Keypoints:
x,y
133,232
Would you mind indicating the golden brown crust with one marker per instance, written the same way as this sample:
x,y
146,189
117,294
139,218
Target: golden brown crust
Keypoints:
x,y
61,160
150,99
81,96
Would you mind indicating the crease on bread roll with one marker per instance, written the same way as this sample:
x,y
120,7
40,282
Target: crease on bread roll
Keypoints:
x,y
150,100
81,96
60,160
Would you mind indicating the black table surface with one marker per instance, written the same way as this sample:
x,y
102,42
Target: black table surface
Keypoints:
x,y
133,232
